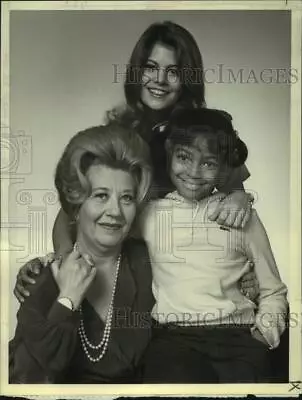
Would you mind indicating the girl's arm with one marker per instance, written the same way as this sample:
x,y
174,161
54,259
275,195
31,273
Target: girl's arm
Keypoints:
x,y
272,302
234,209
63,234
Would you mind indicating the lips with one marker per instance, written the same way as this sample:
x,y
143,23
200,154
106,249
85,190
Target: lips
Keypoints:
x,y
111,227
191,185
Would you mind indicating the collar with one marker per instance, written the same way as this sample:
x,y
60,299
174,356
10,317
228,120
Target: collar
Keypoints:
x,y
175,196
179,198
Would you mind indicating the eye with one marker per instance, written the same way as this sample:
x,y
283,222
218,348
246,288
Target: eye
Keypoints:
x,y
150,68
127,199
182,156
210,164
172,73
101,196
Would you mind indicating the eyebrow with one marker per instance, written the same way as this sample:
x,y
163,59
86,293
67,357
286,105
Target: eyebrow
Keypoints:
x,y
184,148
100,188
189,150
156,63
107,189
129,191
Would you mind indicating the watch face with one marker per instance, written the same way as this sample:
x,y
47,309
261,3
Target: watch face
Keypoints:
x,y
65,301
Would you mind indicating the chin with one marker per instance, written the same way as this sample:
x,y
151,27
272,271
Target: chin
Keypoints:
x,y
157,106
111,241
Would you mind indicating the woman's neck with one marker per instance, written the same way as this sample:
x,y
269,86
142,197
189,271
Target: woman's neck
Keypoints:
x,y
99,255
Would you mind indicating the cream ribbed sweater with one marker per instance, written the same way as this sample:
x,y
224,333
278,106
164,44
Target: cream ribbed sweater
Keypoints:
x,y
197,267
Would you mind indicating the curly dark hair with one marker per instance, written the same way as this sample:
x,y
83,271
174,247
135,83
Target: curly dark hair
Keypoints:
x,y
216,125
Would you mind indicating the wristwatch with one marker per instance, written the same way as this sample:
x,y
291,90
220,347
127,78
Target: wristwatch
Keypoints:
x,y
66,302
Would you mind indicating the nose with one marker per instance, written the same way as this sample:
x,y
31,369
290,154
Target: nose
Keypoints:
x,y
114,207
161,76
194,170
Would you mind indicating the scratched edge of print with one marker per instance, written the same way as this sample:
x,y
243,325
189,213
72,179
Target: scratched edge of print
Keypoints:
x,y
97,397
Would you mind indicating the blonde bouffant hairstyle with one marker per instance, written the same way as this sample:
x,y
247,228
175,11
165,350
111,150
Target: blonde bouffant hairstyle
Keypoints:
x,y
111,145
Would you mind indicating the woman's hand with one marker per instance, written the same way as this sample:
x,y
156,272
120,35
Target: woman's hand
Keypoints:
x,y
74,276
233,210
249,284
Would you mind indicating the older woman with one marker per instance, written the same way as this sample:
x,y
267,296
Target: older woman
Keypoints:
x,y
87,321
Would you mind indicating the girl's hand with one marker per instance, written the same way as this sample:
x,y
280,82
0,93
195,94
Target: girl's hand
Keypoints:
x,y
27,273
249,284
258,336
74,276
25,276
234,210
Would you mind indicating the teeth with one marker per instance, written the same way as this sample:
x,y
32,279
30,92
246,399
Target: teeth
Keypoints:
x,y
158,92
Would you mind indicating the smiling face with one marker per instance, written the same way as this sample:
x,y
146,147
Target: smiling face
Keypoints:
x,y
106,216
161,84
194,169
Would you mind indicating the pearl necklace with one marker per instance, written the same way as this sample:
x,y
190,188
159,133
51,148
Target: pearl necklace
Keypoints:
x,y
103,345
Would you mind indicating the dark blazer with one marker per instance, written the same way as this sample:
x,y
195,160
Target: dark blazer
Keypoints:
x,y
46,347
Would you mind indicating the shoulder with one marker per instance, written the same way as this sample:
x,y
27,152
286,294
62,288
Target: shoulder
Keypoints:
x,y
153,209
253,223
157,204
255,231
135,249
138,258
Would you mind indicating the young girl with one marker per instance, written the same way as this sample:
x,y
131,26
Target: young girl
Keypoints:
x,y
165,72
196,266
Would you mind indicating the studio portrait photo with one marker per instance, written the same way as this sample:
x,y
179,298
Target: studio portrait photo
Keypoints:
x,y
151,207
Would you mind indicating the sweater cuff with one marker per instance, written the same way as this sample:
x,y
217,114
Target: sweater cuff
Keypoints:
x,y
59,313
